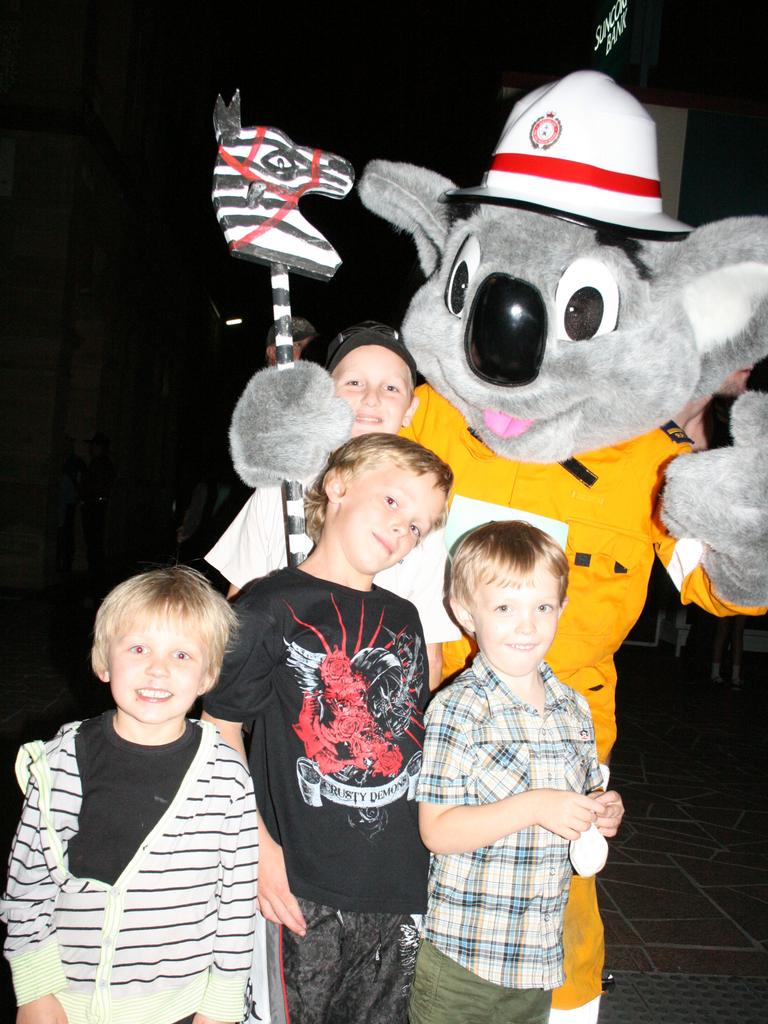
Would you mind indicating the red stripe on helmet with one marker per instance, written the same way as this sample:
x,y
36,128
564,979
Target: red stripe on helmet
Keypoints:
x,y
576,173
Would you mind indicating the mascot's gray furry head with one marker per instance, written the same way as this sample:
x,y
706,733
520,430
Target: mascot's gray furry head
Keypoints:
x,y
564,311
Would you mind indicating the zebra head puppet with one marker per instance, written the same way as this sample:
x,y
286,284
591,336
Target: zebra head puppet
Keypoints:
x,y
259,178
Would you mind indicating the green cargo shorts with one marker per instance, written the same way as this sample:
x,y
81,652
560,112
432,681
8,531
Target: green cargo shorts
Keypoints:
x,y
443,992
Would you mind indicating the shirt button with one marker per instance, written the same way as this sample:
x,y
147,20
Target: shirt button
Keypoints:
x,y
551,871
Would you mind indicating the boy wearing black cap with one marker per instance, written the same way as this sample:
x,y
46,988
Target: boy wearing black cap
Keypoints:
x,y
375,374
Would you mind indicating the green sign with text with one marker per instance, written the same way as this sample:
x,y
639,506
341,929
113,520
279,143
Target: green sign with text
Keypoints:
x,y
611,43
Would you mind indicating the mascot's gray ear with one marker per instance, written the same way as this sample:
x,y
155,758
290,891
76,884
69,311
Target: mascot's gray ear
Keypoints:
x,y
408,197
723,271
728,311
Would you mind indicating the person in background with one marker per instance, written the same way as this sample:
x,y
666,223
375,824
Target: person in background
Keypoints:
x,y
706,421
302,332
214,501
97,481
698,418
70,483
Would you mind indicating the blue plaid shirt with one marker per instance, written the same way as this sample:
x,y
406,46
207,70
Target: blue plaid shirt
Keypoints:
x,y
498,910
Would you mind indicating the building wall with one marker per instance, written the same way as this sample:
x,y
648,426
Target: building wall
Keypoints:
x,y
97,309
41,86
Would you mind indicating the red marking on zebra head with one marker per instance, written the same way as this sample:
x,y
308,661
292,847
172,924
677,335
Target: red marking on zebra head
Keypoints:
x,y
290,196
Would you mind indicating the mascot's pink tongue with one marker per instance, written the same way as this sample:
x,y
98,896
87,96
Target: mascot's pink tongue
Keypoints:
x,y
503,425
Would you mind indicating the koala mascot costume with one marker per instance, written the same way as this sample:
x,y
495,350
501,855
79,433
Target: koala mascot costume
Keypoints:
x,y
564,320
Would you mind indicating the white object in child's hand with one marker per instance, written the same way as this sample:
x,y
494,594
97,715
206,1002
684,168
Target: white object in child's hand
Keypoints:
x,y
589,852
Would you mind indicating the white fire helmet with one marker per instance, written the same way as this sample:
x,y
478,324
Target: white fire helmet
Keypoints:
x,y
584,149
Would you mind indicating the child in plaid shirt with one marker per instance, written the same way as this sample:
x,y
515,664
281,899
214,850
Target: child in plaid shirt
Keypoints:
x,y
509,763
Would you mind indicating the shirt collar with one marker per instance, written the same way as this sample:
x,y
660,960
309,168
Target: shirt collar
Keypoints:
x,y
554,693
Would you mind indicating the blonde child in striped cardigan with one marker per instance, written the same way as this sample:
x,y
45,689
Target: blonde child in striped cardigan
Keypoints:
x,y
132,880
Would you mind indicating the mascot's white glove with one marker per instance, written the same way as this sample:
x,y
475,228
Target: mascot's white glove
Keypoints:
x,y
265,449
719,497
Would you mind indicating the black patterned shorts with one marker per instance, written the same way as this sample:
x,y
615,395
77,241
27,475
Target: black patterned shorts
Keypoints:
x,y
350,968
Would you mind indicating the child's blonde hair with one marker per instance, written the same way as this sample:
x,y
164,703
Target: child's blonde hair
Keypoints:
x,y
175,592
505,553
369,452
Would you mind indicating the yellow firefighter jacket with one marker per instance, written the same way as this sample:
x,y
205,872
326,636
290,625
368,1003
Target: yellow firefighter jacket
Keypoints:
x,y
609,499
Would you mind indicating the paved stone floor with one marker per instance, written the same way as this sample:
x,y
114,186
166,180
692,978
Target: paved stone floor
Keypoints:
x,y
684,895
685,891
686,886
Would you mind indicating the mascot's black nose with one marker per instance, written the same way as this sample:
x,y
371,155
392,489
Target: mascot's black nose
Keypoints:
x,y
507,331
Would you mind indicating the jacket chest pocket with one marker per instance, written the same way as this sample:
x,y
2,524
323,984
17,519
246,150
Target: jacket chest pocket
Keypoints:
x,y
608,578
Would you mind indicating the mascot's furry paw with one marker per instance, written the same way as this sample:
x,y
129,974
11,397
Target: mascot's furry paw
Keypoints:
x,y
285,425
719,497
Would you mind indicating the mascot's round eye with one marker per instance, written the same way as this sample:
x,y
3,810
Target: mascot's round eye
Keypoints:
x,y
464,266
586,301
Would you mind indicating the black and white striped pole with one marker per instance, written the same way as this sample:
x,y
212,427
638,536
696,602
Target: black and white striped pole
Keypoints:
x,y
293,492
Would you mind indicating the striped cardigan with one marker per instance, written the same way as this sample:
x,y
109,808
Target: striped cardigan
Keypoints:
x,y
173,935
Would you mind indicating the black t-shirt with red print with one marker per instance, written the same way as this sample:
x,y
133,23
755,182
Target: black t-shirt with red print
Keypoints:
x,y
336,680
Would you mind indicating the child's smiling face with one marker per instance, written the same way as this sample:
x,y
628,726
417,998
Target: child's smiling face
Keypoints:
x,y
378,516
378,385
156,670
514,622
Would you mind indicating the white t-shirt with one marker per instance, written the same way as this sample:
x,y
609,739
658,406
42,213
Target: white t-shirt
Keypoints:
x,y
254,545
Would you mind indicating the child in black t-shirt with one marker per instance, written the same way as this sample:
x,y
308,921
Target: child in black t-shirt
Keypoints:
x,y
131,888
335,674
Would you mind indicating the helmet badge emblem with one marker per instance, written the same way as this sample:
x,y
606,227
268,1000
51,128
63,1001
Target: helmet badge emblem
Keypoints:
x,y
545,131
